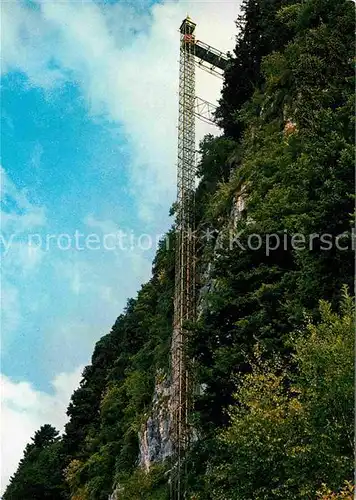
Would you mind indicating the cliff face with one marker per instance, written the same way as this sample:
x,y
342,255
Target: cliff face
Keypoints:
x,y
154,438
155,442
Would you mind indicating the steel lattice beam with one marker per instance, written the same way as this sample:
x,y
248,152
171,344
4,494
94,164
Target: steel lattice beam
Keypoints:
x,y
205,111
209,59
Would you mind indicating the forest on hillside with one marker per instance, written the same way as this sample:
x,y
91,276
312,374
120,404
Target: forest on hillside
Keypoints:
x,y
273,344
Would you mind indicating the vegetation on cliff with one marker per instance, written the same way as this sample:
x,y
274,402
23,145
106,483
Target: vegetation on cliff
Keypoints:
x,y
273,342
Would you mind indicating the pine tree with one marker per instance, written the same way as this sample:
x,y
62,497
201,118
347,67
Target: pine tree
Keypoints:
x,y
260,32
39,475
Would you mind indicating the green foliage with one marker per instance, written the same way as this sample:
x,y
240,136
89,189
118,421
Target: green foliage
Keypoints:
x,y
290,430
275,417
121,377
152,485
39,474
346,493
295,183
260,32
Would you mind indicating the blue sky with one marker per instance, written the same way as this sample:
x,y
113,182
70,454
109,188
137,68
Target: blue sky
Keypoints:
x,y
74,167
88,145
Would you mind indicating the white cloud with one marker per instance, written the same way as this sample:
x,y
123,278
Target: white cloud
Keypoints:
x,y
76,272
18,217
37,155
18,213
10,309
105,226
22,258
24,410
130,253
126,61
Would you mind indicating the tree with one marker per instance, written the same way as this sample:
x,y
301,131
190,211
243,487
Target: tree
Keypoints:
x,y
291,429
296,183
39,474
287,111
260,32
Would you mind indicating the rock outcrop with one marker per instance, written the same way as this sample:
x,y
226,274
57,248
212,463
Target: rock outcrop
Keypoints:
x,y
155,437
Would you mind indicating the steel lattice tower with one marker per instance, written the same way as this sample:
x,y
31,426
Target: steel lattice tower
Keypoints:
x,y
192,53
184,303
